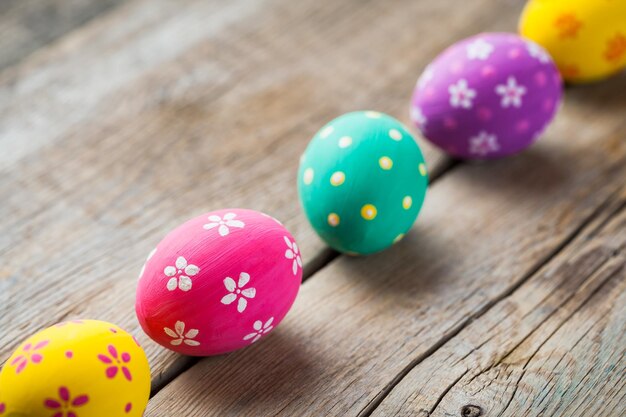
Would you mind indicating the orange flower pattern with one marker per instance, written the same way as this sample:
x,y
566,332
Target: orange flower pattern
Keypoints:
x,y
615,48
568,25
570,71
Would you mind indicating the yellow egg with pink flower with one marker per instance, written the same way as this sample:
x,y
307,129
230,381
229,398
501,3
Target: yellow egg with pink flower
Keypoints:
x,y
79,368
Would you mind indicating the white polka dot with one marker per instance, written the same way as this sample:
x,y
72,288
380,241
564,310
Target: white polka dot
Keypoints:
x,y
345,141
407,202
398,238
395,134
373,114
326,132
308,176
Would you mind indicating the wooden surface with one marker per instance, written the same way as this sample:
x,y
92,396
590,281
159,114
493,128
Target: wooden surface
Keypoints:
x,y
123,119
28,25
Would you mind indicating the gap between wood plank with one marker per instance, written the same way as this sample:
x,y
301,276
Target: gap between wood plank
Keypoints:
x,y
557,328
183,363
532,356
446,391
369,409
596,271
317,263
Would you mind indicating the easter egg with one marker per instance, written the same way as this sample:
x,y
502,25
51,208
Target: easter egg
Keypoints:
x,y
362,181
487,96
586,38
80,368
219,282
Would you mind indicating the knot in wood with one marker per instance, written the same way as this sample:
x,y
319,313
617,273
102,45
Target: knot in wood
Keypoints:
x,y
471,411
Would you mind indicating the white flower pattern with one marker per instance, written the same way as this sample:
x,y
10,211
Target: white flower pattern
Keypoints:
x,y
537,52
484,144
259,330
293,252
223,223
511,93
179,336
461,95
180,275
236,291
479,49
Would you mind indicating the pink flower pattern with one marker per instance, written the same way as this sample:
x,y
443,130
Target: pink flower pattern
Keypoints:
x,y
116,362
29,354
65,405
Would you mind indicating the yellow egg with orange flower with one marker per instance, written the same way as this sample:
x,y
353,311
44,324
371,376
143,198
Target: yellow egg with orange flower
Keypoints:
x,y
586,38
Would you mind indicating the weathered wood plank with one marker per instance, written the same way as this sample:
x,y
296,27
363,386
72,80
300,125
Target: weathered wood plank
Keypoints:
x,y
161,110
555,346
106,130
360,323
28,25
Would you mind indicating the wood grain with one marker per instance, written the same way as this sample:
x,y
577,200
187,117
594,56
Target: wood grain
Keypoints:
x,y
555,346
28,25
360,324
160,111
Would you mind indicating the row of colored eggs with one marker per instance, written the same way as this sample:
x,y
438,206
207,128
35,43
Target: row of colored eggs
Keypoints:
x,y
362,179
217,283
223,280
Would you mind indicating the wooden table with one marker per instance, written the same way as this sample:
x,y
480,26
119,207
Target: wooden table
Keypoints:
x,y
121,119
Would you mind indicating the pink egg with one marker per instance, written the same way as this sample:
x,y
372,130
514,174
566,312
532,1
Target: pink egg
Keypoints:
x,y
219,282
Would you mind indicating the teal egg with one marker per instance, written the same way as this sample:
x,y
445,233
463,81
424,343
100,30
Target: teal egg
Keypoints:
x,y
362,182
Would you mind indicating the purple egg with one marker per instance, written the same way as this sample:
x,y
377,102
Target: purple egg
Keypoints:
x,y
487,96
